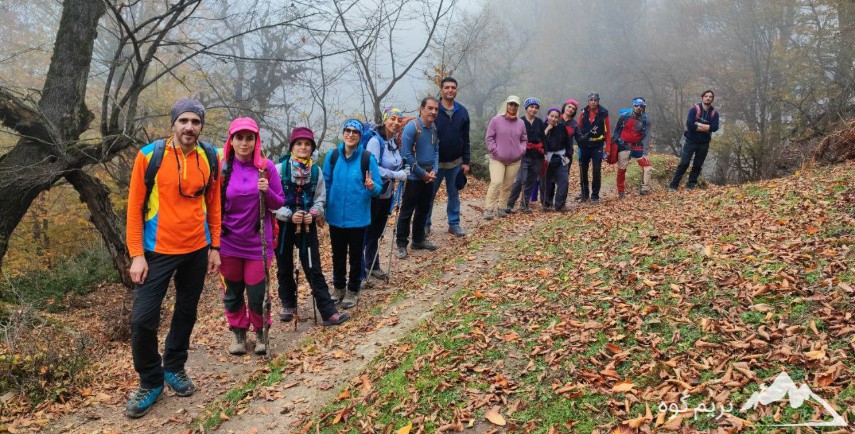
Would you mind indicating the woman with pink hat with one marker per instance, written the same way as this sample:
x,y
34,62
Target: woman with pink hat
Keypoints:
x,y
246,173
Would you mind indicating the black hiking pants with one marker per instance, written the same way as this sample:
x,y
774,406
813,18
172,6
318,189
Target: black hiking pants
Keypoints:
x,y
189,270
307,247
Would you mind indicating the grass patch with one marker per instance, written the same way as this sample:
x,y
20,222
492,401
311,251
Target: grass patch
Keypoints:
x,y
47,289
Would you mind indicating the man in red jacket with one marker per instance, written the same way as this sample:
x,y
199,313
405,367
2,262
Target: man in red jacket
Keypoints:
x,y
631,136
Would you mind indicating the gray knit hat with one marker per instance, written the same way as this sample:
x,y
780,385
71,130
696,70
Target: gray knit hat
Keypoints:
x,y
187,105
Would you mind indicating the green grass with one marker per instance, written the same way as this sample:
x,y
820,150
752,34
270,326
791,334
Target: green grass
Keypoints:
x,y
227,404
47,289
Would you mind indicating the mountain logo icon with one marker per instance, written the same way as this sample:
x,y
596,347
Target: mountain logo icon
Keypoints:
x,y
784,387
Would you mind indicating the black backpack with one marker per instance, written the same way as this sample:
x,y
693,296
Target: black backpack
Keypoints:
x,y
365,161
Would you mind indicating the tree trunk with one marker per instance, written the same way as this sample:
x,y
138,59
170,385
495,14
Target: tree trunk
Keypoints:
x,y
46,149
96,196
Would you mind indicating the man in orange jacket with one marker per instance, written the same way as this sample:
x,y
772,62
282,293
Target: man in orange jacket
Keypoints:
x,y
173,229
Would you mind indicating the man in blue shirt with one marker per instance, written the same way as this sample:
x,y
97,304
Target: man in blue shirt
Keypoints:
x,y
701,122
420,149
452,125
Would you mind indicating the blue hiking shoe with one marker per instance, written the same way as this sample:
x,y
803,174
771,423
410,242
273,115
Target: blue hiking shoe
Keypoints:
x,y
179,382
142,400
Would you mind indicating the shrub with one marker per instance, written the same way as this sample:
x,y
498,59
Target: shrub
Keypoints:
x,y
46,289
39,360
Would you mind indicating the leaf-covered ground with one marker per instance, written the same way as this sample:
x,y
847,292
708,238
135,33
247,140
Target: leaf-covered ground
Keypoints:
x,y
570,322
596,317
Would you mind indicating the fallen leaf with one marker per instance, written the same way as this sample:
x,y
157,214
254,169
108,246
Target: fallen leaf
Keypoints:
x,y
815,355
405,429
623,386
494,417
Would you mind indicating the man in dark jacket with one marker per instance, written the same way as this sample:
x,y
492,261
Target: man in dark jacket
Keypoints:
x,y
701,122
594,125
452,126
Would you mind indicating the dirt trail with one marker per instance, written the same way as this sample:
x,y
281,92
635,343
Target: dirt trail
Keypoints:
x,y
386,312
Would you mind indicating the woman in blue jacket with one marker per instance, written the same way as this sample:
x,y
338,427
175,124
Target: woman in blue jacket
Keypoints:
x,y
352,179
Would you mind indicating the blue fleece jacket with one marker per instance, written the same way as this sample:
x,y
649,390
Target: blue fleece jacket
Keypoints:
x,y
709,117
453,134
426,158
348,201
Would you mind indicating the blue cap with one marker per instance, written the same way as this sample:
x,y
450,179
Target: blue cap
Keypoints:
x,y
531,101
353,123
639,101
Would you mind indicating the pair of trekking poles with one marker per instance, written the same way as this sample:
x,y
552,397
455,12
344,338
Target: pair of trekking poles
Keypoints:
x,y
396,207
302,230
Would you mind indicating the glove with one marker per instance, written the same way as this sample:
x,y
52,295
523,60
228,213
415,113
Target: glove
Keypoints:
x,y
401,175
283,214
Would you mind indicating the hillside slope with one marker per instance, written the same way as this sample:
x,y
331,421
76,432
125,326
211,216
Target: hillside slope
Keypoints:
x,y
598,316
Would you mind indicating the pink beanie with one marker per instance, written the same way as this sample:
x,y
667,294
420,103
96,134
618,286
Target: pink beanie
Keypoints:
x,y
246,124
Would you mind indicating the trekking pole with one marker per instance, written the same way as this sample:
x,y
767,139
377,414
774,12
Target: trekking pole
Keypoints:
x,y
377,253
296,294
308,250
397,202
265,305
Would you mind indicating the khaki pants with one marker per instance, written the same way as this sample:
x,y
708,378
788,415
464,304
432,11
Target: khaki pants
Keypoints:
x,y
501,179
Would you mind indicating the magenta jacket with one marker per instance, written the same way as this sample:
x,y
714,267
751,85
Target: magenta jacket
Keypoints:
x,y
241,214
506,139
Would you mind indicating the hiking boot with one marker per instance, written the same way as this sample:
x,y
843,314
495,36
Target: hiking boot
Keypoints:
x,y
336,319
260,346
525,209
502,212
672,189
287,314
179,382
401,253
423,245
337,294
488,214
580,198
141,401
595,200
546,208
379,274
644,192
238,346
509,209
621,195
350,299
456,230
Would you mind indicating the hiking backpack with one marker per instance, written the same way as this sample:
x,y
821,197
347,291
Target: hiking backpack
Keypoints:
x,y
699,109
302,193
157,159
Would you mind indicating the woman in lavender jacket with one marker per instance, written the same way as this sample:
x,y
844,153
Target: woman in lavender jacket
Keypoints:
x,y
506,140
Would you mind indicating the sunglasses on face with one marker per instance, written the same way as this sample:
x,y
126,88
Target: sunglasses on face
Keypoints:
x,y
350,131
